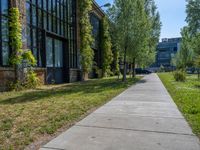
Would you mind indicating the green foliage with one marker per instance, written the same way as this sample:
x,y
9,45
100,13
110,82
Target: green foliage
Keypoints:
x,y
30,114
15,86
106,46
193,16
186,96
179,76
197,62
15,36
137,27
86,52
161,69
193,19
19,55
32,81
116,69
29,58
147,56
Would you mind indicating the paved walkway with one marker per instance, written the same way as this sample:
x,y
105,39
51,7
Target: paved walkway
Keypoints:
x,y
144,117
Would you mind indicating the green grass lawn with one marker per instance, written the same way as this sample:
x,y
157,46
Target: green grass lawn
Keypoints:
x,y
27,116
187,96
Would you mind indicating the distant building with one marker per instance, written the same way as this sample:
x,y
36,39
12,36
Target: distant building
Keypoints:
x,y
166,50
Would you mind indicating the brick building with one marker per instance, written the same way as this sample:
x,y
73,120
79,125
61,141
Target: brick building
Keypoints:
x,y
51,31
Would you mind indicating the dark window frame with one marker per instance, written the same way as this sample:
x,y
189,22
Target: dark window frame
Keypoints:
x,y
60,24
1,34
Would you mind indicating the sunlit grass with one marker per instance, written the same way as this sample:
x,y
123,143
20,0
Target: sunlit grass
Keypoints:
x,y
27,115
187,96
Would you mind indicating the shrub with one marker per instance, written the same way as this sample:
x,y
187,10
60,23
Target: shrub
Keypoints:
x,y
179,76
15,86
32,81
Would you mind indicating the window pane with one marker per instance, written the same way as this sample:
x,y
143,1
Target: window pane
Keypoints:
x,y
34,38
28,14
45,20
4,29
58,54
28,33
4,6
49,52
34,19
5,53
39,18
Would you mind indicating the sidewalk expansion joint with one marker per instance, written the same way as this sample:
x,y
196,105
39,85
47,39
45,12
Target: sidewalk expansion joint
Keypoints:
x,y
161,132
53,148
140,115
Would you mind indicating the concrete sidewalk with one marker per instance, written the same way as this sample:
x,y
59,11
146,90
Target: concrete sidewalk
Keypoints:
x,y
144,117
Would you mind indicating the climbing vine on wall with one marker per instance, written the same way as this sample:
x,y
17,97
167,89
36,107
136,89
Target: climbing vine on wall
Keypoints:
x,y
86,39
20,55
106,46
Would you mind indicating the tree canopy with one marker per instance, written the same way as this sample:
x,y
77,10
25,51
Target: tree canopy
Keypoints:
x,y
137,28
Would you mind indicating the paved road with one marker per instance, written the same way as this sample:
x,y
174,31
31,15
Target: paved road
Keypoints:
x,y
144,117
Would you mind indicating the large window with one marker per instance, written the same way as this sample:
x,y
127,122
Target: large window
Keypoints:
x,y
95,22
4,34
56,17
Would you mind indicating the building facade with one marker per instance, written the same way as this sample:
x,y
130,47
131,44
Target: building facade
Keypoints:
x,y
166,50
51,31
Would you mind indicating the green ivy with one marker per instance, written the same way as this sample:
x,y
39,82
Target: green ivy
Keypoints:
x,y
106,46
116,67
15,36
86,39
19,55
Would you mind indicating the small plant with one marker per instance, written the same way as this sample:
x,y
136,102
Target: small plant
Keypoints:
x,y
32,81
179,76
15,86
161,69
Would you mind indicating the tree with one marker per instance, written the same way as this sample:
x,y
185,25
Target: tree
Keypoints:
x,y
131,26
185,55
86,52
140,34
148,57
106,46
193,16
193,19
137,28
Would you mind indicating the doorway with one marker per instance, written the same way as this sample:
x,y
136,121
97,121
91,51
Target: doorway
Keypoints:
x,y
54,60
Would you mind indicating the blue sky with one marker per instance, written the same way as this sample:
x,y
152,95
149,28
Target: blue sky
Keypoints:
x,y
172,16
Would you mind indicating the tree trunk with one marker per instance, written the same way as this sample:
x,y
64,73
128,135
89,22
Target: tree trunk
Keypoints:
x,y
133,71
124,74
198,73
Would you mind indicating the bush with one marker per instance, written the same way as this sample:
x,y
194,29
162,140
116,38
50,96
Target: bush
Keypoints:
x,y
15,86
32,81
179,76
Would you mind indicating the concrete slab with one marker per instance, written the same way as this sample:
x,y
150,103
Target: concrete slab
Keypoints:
x,y
144,117
143,97
156,111
154,124
86,138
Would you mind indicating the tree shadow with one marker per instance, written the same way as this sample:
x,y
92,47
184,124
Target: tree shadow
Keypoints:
x,y
84,88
